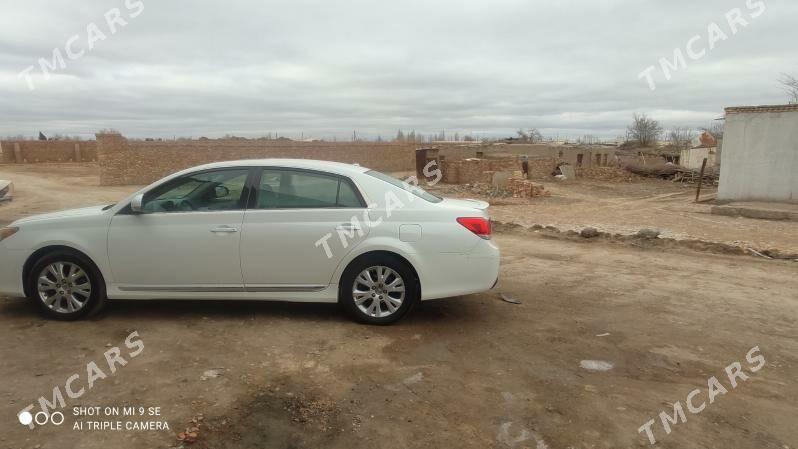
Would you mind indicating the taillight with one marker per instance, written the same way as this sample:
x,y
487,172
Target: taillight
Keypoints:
x,y
478,225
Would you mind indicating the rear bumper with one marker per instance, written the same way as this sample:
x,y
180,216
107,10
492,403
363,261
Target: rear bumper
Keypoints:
x,y
448,274
11,263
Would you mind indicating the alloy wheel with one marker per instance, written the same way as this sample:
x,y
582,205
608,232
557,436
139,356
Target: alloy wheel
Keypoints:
x,y
378,291
64,287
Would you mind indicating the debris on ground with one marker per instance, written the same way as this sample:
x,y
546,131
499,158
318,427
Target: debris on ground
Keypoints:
x,y
589,233
191,433
414,379
596,365
648,234
212,373
605,334
506,298
757,253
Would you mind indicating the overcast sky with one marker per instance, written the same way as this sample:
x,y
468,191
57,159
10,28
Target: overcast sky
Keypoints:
x,y
326,68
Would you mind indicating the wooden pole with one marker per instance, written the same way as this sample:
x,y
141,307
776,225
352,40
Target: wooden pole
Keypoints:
x,y
700,179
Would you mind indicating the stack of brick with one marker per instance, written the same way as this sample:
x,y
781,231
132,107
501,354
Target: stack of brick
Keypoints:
x,y
524,188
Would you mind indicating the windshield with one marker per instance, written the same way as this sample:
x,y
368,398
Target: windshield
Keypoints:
x,y
415,190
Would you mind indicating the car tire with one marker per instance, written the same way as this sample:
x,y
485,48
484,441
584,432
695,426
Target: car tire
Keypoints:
x,y
378,289
73,291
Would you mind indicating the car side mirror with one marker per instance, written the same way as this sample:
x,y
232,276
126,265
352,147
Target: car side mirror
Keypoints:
x,y
221,191
136,204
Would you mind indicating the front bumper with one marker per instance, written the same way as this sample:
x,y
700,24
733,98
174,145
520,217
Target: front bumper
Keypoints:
x,y
11,263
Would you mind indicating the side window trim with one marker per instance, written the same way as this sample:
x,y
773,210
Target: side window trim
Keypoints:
x,y
253,198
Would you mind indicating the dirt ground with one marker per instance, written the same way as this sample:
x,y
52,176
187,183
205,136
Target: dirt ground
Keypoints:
x,y
625,208
473,371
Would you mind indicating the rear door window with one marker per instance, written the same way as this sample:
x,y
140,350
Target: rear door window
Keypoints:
x,y
298,189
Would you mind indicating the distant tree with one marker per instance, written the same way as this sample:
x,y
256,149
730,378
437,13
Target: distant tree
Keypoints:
x,y
680,137
530,135
644,130
790,84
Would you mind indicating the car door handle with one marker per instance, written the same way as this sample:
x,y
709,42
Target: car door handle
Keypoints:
x,y
224,229
347,227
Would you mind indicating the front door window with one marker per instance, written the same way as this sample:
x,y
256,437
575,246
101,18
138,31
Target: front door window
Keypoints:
x,y
216,190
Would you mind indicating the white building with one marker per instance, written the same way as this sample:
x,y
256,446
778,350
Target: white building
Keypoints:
x,y
760,154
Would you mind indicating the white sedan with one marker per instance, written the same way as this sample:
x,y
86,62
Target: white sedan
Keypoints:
x,y
288,230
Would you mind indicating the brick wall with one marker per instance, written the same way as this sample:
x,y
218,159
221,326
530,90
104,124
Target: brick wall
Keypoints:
x,y
469,171
124,162
541,168
32,151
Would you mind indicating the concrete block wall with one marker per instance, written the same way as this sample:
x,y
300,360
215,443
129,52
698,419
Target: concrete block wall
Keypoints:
x,y
135,162
33,151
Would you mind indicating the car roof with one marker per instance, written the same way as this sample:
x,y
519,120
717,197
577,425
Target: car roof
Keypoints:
x,y
309,164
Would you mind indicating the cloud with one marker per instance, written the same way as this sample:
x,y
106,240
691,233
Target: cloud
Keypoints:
x,y
327,68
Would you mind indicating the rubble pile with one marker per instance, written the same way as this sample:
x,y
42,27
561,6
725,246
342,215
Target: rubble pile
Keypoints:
x,y
483,190
611,174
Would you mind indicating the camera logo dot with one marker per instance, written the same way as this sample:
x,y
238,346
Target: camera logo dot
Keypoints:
x,y
25,418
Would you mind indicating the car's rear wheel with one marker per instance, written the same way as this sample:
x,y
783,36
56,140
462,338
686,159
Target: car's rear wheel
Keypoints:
x,y
378,289
66,286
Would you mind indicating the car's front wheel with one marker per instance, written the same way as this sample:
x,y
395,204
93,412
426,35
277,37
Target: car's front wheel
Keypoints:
x,y
66,286
378,289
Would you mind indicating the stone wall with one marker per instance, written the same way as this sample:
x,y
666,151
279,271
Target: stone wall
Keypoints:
x,y
33,151
124,162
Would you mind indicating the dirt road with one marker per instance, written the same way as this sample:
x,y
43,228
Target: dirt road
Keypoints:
x,y
468,372
41,188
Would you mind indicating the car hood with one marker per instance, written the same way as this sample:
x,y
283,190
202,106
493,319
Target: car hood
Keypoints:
x,y
70,213
472,204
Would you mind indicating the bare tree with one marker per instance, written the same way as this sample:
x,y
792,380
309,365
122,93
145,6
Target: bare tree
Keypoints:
x,y
530,135
790,84
535,136
644,130
680,137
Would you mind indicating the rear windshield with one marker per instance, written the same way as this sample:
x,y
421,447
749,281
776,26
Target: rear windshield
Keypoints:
x,y
415,190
